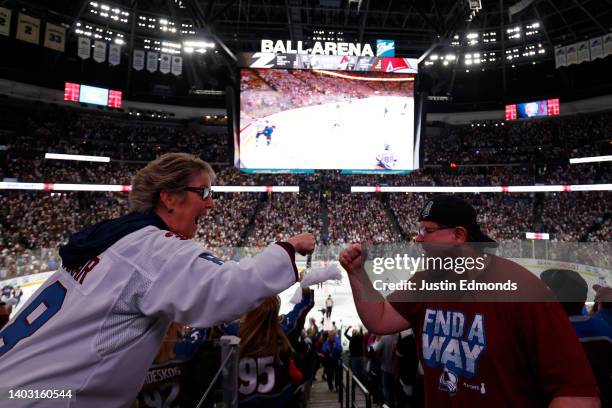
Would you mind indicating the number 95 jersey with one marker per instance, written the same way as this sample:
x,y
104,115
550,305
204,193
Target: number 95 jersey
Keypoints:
x,y
267,382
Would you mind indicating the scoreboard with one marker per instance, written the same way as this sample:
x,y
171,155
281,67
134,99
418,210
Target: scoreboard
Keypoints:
x,y
114,99
94,95
511,112
547,107
71,92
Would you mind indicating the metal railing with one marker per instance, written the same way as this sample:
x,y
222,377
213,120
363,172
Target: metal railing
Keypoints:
x,y
344,374
230,353
349,385
356,384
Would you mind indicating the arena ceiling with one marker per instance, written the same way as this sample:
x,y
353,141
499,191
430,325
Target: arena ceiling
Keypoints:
x,y
414,24
420,28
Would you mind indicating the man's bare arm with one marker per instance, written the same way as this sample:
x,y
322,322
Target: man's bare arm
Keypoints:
x,y
575,402
375,312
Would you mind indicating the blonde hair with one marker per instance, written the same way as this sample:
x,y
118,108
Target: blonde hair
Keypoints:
x,y
170,172
173,336
261,333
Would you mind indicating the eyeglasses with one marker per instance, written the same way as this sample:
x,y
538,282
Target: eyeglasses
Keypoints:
x,y
204,192
424,231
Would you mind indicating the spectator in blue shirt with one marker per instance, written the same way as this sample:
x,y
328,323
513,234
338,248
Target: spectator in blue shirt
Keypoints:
x,y
603,303
332,351
595,335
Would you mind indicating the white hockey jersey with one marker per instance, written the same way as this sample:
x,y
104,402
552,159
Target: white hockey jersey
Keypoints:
x,y
386,160
96,331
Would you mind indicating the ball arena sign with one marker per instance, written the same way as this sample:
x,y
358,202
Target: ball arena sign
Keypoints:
x,y
319,48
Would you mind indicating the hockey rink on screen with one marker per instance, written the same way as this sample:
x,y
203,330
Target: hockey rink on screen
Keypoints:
x,y
346,135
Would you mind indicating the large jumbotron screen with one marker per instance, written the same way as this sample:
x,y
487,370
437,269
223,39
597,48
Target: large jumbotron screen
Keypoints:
x,y
316,119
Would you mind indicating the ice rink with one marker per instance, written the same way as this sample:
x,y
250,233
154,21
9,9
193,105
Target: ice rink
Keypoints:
x,y
343,312
346,135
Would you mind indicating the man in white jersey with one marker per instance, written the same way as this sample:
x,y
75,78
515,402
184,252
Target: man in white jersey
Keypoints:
x,y
386,159
94,327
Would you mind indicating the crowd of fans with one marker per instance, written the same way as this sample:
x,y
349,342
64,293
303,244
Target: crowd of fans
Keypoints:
x,y
406,208
34,224
227,220
536,147
575,173
359,218
39,169
573,217
506,217
42,219
285,215
603,233
30,133
521,142
267,91
511,175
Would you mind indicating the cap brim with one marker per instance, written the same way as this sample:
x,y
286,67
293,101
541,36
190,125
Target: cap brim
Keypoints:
x,y
479,236
484,238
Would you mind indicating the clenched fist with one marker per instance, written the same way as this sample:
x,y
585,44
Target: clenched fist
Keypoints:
x,y
352,258
304,244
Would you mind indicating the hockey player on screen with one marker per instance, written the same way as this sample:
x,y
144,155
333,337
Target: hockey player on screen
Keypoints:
x,y
386,106
386,159
267,132
336,117
260,128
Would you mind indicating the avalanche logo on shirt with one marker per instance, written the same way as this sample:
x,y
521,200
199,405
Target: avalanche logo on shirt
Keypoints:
x,y
448,382
452,343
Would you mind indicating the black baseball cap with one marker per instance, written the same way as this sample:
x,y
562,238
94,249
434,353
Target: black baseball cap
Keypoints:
x,y
452,211
567,285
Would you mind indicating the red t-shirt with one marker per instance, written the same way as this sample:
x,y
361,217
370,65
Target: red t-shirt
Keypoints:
x,y
495,354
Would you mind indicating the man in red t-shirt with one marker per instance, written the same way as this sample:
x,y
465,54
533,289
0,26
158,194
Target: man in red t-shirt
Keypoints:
x,y
518,352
